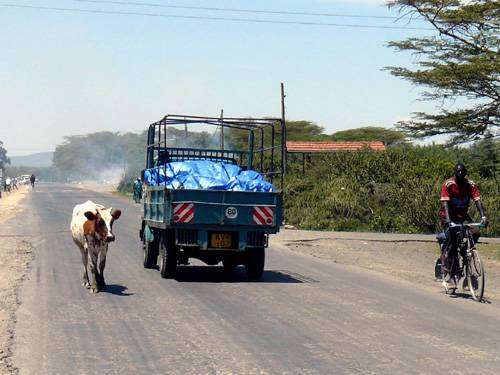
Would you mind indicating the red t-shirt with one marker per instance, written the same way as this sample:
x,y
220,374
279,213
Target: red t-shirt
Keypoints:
x,y
458,196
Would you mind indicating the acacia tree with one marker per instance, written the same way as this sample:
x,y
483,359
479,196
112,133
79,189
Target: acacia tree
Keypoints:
x,y
459,65
371,133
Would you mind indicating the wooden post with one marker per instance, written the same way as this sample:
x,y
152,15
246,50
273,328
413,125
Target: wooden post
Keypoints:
x,y
222,129
283,126
251,138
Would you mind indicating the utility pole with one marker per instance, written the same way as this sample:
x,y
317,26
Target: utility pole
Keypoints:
x,y
283,127
222,129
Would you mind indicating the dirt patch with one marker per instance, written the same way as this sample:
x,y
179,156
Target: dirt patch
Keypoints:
x,y
9,203
15,255
408,257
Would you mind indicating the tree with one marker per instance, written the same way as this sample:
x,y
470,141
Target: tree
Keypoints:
x,y
301,130
485,156
459,66
88,156
3,156
370,133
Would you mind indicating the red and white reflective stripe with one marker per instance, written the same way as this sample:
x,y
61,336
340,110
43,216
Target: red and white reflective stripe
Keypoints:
x,y
183,212
263,215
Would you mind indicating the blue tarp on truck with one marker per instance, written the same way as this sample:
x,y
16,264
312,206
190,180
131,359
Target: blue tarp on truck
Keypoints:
x,y
207,175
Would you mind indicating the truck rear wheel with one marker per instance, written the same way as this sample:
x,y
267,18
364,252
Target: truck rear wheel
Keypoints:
x,y
254,265
150,250
229,266
168,257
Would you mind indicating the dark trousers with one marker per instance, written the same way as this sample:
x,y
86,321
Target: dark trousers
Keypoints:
x,y
449,250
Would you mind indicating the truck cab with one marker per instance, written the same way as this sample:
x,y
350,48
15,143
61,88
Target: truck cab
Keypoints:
x,y
212,224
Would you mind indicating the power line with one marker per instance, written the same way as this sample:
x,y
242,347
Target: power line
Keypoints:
x,y
236,10
260,11
243,20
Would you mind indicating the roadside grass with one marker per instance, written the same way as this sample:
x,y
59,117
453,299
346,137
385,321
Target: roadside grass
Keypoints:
x,y
489,250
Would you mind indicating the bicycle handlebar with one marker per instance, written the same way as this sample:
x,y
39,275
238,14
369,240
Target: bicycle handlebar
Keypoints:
x,y
479,225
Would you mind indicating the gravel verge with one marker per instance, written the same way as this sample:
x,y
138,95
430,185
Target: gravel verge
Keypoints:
x,y
16,253
407,257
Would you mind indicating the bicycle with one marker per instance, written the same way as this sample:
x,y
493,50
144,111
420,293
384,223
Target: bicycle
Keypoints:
x,y
470,267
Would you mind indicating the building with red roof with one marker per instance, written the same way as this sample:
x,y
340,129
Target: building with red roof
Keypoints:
x,y
311,147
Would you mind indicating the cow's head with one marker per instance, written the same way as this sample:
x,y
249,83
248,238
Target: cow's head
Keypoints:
x,y
101,223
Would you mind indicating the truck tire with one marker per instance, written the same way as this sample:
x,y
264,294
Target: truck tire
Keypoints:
x,y
168,257
229,266
150,250
255,263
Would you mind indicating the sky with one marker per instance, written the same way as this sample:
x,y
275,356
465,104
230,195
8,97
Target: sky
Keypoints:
x,y
65,73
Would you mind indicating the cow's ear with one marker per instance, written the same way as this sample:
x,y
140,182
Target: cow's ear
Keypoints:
x,y
116,214
90,215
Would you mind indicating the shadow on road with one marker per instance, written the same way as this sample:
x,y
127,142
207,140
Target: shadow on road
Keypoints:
x,y
212,274
118,290
468,296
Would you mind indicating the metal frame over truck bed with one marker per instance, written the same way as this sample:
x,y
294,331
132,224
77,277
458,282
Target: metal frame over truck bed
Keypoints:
x,y
211,225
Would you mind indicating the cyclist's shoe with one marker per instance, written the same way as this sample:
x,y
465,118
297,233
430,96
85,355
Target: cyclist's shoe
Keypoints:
x,y
449,284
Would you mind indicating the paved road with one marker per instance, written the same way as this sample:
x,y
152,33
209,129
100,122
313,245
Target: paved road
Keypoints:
x,y
307,316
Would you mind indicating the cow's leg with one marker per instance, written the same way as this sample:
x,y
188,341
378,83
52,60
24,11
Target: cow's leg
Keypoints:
x,y
85,281
93,254
102,263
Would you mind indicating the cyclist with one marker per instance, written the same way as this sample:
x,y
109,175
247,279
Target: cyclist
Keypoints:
x,y
456,194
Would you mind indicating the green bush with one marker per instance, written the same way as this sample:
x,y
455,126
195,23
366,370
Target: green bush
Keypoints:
x,y
126,184
393,191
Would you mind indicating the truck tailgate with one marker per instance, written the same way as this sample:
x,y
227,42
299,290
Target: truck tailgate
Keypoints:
x,y
184,208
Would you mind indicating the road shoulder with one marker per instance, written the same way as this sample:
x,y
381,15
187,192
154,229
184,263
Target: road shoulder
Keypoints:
x,y
16,252
406,257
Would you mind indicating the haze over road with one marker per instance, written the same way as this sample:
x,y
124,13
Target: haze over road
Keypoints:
x,y
306,316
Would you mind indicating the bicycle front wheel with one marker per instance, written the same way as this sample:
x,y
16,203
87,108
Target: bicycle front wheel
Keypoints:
x,y
476,276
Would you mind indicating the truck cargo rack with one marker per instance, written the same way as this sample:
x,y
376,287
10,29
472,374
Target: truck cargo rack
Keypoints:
x,y
265,147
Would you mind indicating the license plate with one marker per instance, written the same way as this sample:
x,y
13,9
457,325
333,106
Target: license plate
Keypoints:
x,y
221,240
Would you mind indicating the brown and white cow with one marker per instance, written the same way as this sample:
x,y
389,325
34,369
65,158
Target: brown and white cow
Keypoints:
x,y
92,230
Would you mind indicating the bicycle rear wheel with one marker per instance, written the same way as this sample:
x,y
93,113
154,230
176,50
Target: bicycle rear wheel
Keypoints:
x,y
476,276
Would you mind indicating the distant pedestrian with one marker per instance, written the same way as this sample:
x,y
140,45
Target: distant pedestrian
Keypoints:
x,y
137,190
32,181
8,185
14,184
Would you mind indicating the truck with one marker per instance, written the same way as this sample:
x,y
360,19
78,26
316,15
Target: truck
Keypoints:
x,y
213,226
